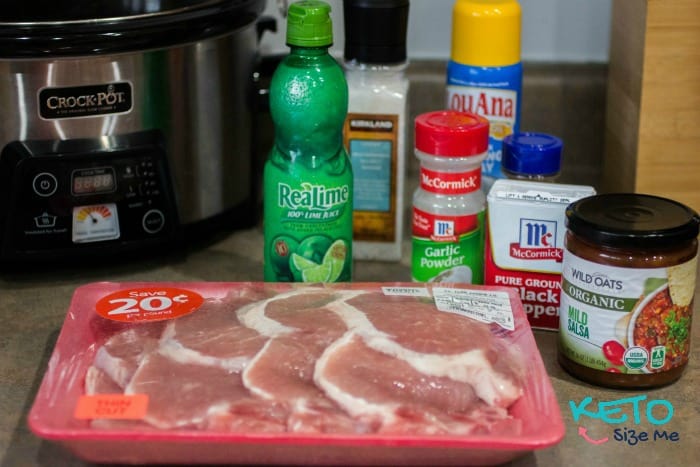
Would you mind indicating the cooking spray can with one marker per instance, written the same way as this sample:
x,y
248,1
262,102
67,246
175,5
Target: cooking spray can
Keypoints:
x,y
484,74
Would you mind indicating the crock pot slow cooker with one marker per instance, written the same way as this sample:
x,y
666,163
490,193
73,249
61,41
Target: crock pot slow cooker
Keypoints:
x,y
124,124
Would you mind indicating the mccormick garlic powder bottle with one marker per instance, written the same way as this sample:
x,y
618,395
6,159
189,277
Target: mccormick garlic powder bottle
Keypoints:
x,y
449,206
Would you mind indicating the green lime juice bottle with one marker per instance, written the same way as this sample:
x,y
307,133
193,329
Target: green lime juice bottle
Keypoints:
x,y
307,180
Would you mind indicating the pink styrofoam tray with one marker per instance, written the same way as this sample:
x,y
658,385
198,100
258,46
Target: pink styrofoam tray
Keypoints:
x,y
100,310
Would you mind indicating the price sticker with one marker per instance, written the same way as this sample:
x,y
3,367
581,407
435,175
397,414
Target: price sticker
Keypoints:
x,y
112,406
148,304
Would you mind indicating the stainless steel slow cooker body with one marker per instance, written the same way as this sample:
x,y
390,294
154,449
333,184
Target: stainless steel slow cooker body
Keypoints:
x,y
175,73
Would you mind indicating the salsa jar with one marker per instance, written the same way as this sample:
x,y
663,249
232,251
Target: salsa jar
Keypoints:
x,y
628,281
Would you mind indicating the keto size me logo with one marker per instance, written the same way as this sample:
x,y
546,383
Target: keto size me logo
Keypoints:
x,y
85,101
313,201
624,417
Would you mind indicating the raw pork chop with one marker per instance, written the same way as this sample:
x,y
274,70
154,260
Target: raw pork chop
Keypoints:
x,y
213,335
400,399
123,352
434,343
300,329
183,394
99,382
192,373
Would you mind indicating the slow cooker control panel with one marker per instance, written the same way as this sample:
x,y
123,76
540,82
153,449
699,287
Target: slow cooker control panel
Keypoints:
x,y
75,203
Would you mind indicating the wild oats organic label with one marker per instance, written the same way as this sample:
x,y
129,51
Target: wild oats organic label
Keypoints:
x,y
621,320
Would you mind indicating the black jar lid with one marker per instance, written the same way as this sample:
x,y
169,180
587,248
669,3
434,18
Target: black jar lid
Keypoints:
x,y
622,220
375,30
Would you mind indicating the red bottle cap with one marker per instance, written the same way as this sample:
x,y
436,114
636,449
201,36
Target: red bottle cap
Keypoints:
x,y
452,133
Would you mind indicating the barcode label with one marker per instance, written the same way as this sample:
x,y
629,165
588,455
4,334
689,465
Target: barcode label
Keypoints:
x,y
482,305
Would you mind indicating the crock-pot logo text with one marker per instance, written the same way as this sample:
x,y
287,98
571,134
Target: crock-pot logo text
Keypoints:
x,y
313,201
85,101
626,415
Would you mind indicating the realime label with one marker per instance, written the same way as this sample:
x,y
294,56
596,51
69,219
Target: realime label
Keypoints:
x,y
85,101
314,197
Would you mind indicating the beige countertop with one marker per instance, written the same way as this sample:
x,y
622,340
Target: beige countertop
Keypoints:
x,y
33,307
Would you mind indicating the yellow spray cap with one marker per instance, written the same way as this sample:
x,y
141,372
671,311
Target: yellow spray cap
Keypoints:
x,y
486,32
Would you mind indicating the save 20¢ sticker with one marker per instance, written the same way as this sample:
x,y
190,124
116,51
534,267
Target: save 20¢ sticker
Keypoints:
x,y
148,304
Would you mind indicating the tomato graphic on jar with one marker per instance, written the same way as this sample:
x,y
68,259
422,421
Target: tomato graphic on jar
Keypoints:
x,y
614,352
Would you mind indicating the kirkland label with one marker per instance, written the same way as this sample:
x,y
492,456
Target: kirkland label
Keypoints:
x,y
372,142
85,101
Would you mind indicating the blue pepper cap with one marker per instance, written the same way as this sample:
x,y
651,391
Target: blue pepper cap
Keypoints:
x,y
532,154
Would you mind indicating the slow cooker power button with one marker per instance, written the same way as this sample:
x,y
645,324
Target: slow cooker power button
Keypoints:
x,y
45,184
153,221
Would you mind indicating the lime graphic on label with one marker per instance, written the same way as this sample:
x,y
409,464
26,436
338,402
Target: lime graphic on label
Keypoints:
x,y
318,273
314,247
335,258
302,263
330,268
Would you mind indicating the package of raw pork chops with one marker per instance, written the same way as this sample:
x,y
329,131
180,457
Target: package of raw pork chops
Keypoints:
x,y
264,373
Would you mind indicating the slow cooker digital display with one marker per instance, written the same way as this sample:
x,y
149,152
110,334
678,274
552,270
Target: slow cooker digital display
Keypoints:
x,y
90,181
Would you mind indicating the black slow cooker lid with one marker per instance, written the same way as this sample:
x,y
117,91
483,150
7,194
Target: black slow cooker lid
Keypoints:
x,y
54,28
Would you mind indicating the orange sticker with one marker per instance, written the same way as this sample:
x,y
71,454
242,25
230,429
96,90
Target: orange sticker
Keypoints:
x,y
148,304
112,406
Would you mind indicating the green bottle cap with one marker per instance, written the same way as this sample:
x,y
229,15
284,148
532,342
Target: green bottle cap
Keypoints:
x,y
309,24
